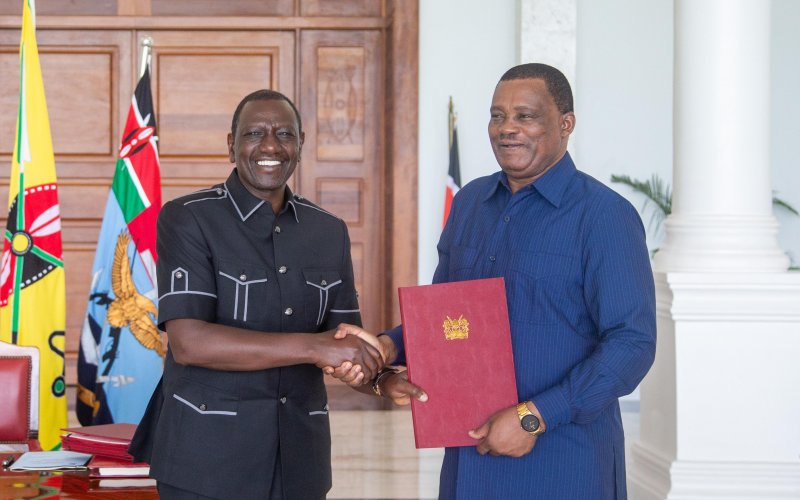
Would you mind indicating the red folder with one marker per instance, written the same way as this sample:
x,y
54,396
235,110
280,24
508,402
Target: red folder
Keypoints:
x,y
458,349
109,440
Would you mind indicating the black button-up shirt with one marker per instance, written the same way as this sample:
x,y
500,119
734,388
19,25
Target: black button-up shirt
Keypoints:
x,y
225,257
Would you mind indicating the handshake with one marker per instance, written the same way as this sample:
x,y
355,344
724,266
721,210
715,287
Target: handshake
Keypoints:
x,y
356,357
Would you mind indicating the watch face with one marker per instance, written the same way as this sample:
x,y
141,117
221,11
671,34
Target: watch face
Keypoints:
x,y
530,423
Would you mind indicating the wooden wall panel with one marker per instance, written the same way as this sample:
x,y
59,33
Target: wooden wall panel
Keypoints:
x,y
342,111
63,7
362,8
342,197
198,79
84,77
196,98
222,8
82,95
340,103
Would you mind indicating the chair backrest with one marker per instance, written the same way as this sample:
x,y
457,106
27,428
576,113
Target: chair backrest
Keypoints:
x,y
19,371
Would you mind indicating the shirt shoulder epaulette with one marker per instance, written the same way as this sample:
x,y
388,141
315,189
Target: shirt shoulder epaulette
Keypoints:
x,y
217,192
304,205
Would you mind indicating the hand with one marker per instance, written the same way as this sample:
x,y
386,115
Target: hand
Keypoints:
x,y
502,435
352,374
400,390
382,343
352,353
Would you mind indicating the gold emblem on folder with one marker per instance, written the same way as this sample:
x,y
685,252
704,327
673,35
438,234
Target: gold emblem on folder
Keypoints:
x,y
456,329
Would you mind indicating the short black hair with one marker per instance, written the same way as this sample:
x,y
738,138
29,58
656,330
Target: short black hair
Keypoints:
x,y
264,95
556,82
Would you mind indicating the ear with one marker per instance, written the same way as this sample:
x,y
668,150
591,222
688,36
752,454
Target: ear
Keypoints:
x,y
231,156
300,149
567,124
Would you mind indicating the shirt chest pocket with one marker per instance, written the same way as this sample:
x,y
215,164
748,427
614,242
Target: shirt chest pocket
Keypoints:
x,y
241,291
321,288
542,288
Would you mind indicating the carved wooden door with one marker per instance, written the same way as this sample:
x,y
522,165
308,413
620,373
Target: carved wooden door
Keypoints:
x,y
330,57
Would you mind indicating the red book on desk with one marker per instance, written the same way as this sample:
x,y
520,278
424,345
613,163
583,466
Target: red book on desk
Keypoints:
x,y
458,349
108,440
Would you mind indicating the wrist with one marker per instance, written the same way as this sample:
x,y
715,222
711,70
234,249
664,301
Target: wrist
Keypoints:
x,y
532,407
382,375
530,419
388,349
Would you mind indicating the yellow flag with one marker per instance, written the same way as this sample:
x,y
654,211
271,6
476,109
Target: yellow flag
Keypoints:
x,y
32,293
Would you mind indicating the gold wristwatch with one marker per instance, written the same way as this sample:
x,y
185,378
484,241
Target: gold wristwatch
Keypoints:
x,y
529,422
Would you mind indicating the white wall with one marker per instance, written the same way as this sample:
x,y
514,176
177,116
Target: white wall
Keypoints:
x,y
465,46
623,94
786,120
623,98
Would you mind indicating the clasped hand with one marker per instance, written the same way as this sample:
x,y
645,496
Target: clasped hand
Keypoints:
x,y
359,356
500,435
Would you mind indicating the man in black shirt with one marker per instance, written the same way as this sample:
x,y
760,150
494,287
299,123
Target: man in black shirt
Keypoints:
x,y
252,281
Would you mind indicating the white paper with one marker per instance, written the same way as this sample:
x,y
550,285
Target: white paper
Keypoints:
x,y
51,460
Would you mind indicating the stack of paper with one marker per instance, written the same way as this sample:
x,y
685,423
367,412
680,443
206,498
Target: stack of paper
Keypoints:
x,y
111,462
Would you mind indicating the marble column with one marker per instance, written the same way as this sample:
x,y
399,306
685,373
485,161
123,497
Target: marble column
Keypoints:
x,y
722,203
719,408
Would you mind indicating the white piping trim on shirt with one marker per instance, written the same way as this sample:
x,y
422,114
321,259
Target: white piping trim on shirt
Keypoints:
x,y
317,208
204,412
220,196
246,285
323,300
188,293
243,217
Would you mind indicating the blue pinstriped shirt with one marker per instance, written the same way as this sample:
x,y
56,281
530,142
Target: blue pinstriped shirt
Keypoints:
x,y
581,304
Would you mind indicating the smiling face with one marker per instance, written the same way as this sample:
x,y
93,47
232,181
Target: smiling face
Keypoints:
x,y
266,148
527,131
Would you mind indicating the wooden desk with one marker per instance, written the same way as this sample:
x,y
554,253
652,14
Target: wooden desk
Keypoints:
x,y
68,485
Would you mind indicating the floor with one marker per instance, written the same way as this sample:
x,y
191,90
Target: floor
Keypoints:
x,y
374,455
373,449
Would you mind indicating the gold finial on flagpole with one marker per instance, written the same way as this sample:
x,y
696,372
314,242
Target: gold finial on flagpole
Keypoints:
x,y
147,44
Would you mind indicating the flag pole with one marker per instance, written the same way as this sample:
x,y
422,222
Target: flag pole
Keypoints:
x,y
451,122
147,44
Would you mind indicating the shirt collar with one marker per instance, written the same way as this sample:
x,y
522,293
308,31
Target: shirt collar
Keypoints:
x,y
246,204
551,185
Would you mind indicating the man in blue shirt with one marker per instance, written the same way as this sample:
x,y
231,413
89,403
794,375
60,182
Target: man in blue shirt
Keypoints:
x,y
581,305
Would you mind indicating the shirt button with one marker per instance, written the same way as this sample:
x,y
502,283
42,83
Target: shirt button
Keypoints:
x,y
492,258
283,400
203,407
277,229
288,311
179,275
282,269
242,277
324,283
506,218
219,191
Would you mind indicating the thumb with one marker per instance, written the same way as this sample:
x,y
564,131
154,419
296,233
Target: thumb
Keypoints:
x,y
481,432
344,330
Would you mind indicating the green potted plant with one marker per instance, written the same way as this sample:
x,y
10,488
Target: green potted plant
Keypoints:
x,y
658,194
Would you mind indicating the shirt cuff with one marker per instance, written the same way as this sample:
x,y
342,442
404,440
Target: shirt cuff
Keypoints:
x,y
396,334
553,407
